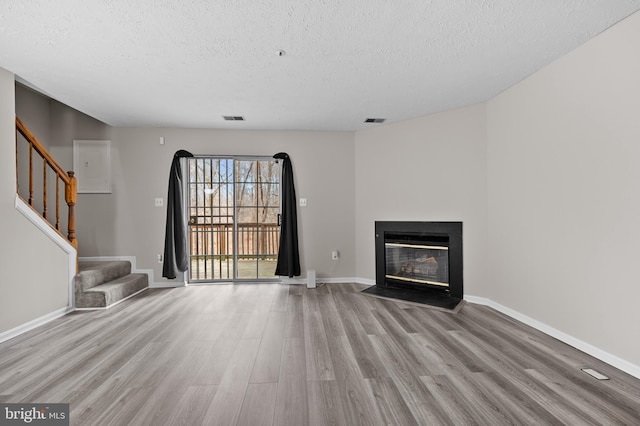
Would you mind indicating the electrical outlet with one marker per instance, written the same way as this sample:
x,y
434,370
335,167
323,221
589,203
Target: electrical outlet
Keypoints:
x,y
159,202
159,258
303,202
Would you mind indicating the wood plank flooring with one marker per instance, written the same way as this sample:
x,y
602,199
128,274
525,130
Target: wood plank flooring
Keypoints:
x,y
260,354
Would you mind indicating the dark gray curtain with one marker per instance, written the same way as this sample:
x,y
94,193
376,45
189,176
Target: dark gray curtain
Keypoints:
x,y
288,254
176,255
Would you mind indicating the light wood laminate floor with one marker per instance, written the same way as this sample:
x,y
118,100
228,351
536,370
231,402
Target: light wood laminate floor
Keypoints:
x,y
258,354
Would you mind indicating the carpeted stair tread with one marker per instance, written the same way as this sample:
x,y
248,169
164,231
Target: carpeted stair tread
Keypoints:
x,y
100,284
94,273
105,294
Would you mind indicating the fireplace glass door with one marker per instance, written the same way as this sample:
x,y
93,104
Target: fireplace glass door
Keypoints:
x,y
417,263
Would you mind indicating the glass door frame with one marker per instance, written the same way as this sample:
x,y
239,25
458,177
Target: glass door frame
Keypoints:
x,y
234,181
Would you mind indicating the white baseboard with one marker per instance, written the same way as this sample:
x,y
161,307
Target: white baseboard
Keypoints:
x,y
287,280
23,328
167,284
366,281
339,280
585,347
303,281
179,281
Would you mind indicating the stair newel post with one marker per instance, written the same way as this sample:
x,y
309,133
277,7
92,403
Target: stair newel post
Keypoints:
x,y
71,196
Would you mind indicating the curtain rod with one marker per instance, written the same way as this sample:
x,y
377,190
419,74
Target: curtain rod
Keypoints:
x,y
242,157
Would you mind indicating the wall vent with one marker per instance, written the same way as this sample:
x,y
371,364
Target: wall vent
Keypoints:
x,y
594,373
233,117
375,120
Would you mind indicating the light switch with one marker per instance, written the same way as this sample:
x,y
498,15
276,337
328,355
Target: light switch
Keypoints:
x,y
303,202
159,202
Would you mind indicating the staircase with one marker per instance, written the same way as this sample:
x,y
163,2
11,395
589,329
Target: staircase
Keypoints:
x,y
51,194
100,284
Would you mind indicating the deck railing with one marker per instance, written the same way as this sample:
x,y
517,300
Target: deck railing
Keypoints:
x,y
40,195
254,240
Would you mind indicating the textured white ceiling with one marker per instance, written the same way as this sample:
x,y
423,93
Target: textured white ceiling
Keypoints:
x,y
185,63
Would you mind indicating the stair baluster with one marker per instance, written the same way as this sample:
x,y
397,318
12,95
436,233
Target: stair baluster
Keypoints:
x,y
68,178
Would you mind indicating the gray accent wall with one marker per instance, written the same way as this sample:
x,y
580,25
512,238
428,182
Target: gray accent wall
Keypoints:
x,y
33,108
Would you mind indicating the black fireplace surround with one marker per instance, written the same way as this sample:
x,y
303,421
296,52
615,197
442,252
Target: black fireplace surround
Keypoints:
x,y
419,262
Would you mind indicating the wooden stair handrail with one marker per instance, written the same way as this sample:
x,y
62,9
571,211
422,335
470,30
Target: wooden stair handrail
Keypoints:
x,y
70,182
40,149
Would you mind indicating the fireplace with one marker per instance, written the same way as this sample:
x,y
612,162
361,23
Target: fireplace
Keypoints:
x,y
419,262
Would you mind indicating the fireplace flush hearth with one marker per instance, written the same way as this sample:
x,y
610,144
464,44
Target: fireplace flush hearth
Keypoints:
x,y
419,262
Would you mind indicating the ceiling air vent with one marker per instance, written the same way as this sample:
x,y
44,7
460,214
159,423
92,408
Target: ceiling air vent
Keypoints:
x,y
233,117
374,120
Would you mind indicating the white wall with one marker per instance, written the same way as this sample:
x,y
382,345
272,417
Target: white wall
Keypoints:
x,y
127,223
35,275
427,169
564,193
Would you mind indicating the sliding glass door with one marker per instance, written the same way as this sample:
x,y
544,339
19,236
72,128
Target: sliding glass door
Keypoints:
x,y
234,206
